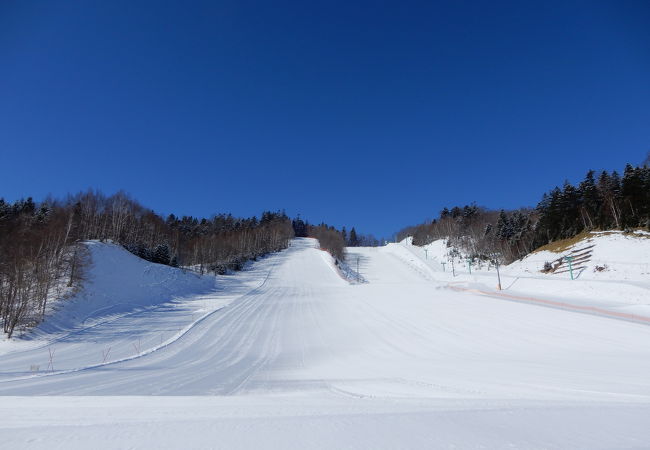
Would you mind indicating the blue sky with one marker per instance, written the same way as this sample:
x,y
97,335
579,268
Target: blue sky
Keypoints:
x,y
366,114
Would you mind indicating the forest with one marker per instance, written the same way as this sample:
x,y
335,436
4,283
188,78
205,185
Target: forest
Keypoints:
x,y
604,201
41,256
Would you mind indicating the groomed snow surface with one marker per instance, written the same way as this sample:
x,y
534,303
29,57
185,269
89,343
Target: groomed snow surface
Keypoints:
x,y
613,277
287,354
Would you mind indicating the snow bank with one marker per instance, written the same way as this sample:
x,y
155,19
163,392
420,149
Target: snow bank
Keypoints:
x,y
117,283
611,271
435,253
609,255
614,255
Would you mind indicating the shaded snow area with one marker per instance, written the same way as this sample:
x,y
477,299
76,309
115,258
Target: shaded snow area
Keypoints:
x,y
287,354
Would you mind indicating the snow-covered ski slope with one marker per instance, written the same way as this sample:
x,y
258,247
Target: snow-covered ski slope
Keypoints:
x,y
289,355
612,277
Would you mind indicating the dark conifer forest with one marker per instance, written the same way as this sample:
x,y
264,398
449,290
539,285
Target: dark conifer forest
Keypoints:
x,y
603,201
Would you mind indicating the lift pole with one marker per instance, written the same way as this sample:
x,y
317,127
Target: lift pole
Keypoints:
x,y
496,263
569,259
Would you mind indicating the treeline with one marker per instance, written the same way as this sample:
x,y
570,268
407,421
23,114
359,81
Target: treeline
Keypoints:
x,y
355,239
39,258
225,243
331,239
470,229
40,252
604,202
217,244
608,202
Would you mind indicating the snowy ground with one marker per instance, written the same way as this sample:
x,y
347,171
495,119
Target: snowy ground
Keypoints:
x,y
622,288
289,355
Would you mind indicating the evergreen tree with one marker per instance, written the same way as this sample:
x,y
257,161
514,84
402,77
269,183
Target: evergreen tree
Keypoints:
x,y
504,229
569,204
299,227
550,216
632,196
354,239
609,187
161,254
469,212
5,209
41,215
590,200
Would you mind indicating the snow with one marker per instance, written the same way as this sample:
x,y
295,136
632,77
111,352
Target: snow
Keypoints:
x,y
624,256
141,285
128,307
623,287
288,354
320,423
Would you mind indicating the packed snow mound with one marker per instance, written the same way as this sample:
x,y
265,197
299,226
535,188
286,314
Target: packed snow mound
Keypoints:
x,y
598,255
437,250
606,255
435,253
117,283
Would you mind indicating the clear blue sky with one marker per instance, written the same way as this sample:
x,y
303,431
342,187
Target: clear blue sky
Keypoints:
x,y
372,114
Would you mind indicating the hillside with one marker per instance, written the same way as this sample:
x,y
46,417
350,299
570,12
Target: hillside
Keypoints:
x,y
117,283
121,298
611,270
608,255
288,353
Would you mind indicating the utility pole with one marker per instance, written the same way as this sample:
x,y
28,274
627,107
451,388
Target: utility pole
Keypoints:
x,y
426,253
443,266
469,266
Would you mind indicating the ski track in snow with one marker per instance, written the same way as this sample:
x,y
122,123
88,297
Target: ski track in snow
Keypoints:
x,y
292,356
